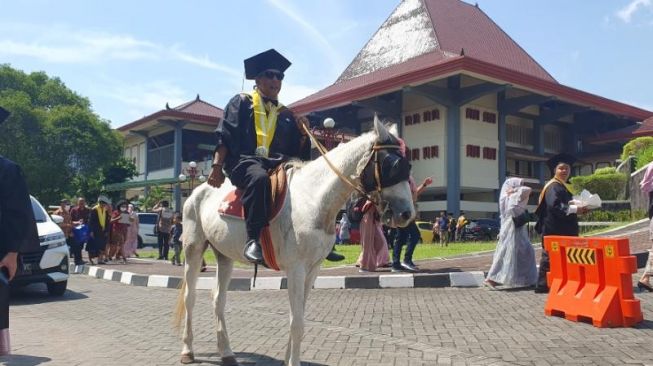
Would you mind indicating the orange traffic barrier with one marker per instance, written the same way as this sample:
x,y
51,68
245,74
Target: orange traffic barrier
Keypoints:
x,y
591,280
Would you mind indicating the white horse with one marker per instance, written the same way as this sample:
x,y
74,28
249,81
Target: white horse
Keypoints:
x,y
303,233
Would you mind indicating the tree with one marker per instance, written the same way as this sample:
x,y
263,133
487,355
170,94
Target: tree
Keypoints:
x,y
64,148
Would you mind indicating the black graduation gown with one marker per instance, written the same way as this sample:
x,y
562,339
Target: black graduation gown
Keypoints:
x,y
18,232
238,133
552,212
100,236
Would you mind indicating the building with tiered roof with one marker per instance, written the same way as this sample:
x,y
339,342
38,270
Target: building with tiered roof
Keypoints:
x,y
162,144
472,105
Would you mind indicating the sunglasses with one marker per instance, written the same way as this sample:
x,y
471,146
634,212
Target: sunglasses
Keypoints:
x,y
271,74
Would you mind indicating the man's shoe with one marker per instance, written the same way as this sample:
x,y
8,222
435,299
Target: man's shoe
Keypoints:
x,y
409,266
253,252
335,257
541,290
398,268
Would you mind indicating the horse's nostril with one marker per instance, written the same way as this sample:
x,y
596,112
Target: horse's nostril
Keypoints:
x,y
405,215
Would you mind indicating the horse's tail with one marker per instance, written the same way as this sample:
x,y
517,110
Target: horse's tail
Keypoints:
x,y
180,310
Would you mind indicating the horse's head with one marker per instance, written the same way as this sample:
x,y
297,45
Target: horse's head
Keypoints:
x,y
385,177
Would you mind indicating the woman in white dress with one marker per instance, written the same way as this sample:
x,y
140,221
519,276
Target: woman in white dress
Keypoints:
x,y
513,264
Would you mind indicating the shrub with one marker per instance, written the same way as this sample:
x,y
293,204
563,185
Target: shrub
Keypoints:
x,y
614,216
644,157
635,146
605,182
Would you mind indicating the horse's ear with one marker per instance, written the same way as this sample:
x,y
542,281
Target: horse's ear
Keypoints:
x,y
393,130
380,130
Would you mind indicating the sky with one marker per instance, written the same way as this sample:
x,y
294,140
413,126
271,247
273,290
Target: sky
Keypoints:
x,y
130,58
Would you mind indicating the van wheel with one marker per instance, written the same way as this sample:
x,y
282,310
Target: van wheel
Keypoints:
x,y
57,288
140,242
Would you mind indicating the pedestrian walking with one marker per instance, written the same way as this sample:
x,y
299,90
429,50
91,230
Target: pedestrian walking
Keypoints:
x,y
67,228
374,251
80,216
513,264
176,232
163,226
408,235
343,230
131,241
119,225
452,228
99,226
443,225
557,213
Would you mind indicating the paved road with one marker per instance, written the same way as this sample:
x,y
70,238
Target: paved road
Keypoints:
x,y
108,323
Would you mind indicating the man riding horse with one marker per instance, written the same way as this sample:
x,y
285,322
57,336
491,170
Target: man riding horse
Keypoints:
x,y
256,135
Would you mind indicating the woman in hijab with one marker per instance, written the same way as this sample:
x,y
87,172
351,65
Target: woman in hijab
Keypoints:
x,y
343,233
513,264
131,242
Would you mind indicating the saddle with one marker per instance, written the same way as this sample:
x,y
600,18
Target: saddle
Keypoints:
x,y
232,206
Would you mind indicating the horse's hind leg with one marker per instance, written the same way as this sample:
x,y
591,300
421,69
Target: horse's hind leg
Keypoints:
x,y
223,277
193,254
308,285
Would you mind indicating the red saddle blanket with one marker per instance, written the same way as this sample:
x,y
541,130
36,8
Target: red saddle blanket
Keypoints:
x,y
232,206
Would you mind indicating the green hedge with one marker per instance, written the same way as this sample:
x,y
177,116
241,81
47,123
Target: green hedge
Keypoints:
x,y
605,182
644,157
622,215
636,146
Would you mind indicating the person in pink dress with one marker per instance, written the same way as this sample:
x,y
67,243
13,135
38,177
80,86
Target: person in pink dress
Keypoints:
x,y
131,242
374,253
646,185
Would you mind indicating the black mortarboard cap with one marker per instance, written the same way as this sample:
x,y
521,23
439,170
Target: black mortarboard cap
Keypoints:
x,y
553,162
270,59
3,114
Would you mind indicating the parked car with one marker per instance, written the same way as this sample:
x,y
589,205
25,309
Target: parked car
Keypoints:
x,y
48,264
482,229
425,231
146,233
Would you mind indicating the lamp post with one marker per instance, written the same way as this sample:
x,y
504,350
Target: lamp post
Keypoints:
x,y
329,133
193,173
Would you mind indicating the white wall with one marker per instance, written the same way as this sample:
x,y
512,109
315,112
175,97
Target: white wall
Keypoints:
x,y
479,172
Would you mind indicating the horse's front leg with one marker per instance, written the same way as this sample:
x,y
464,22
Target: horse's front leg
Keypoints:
x,y
296,291
191,273
223,277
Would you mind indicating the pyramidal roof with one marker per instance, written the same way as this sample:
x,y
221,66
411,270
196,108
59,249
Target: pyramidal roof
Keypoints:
x,y
446,27
200,107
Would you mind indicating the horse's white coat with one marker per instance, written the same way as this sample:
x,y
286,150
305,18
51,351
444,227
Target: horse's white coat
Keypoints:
x,y
303,233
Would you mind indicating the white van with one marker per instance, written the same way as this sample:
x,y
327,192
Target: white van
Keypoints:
x,y
49,264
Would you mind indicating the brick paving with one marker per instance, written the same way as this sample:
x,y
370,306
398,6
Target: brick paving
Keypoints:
x,y
107,323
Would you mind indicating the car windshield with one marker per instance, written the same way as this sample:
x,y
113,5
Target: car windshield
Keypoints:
x,y
39,213
147,218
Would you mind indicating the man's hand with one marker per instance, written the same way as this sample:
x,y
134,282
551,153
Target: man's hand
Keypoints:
x,y
216,177
582,210
427,182
10,262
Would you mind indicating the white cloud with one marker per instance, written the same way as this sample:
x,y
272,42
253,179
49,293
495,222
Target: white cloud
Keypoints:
x,y
627,12
139,100
311,31
63,45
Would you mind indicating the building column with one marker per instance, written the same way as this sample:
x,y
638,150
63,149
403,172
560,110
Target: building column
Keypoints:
x,y
453,128
538,148
177,165
146,170
502,142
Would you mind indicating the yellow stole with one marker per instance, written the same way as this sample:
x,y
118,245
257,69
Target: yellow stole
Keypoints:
x,y
102,215
265,119
548,184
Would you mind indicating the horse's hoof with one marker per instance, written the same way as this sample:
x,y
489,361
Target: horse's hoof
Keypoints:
x,y
229,361
186,359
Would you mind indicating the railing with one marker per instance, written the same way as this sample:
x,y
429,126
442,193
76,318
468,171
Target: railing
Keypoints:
x,y
160,158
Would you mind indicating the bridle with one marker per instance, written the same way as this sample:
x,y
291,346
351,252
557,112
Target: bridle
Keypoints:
x,y
382,170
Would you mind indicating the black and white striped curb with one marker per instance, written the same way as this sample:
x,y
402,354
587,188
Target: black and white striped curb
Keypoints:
x,y
407,280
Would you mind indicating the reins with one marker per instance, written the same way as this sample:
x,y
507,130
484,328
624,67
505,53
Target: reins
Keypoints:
x,y
377,174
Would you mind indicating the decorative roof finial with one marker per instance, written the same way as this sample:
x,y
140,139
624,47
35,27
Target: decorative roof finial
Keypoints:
x,y
167,106
198,96
476,5
462,52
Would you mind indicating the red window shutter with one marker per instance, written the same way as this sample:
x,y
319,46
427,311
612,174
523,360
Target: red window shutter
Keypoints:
x,y
426,152
435,114
471,113
408,120
416,118
427,116
434,151
415,154
489,117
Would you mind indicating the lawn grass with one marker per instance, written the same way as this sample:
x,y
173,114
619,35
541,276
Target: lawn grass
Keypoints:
x,y
352,251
